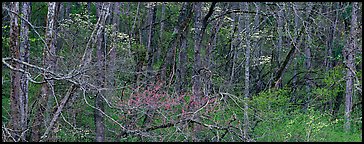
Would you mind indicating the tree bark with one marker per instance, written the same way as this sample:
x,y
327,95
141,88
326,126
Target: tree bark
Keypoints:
x,y
232,47
15,98
196,80
24,56
151,43
245,6
349,55
100,53
308,50
280,40
182,67
161,30
116,23
331,36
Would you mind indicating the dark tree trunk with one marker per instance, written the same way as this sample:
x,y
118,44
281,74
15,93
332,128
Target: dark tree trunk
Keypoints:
x,y
100,54
15,76
151,43
280,41
161,30
182,23
182,67
196,81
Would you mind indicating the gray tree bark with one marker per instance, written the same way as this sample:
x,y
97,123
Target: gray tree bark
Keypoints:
x,y
246,125
232,46
280,40
24,56
100,54
349,54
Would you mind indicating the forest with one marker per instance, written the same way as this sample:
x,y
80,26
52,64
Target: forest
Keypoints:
x,y
181,72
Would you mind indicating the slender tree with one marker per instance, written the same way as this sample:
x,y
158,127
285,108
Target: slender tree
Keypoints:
x,y
24,56
48,61
151,43
349,54
246,125
100,54
15,76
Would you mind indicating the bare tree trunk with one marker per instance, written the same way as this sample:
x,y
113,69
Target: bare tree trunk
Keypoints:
x,y
116,23
48,62
196,82
280,40
349,54
182,67
297,25
151,43
246,126
99,103
308,50
161,30
15,101
331,36
232,47
258,49
24,56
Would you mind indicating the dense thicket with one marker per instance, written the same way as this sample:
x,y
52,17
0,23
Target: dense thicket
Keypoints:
x,y
180,71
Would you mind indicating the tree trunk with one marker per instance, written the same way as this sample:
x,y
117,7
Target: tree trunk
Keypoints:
x,y
182,23
48,62
161,30
196,81
349,55
308,51
232,47
116,23
100,53
331,36
15,101
151,43
280,40
182,67
296,14
245,6
24,56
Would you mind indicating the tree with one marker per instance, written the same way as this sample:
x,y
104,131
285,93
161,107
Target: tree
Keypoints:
x,y
99,100
245,6
349,54
196,81
150,44
48,62
15,98
24,55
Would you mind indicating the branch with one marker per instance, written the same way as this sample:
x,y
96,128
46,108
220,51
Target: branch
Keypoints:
x,y
59,110
54,76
